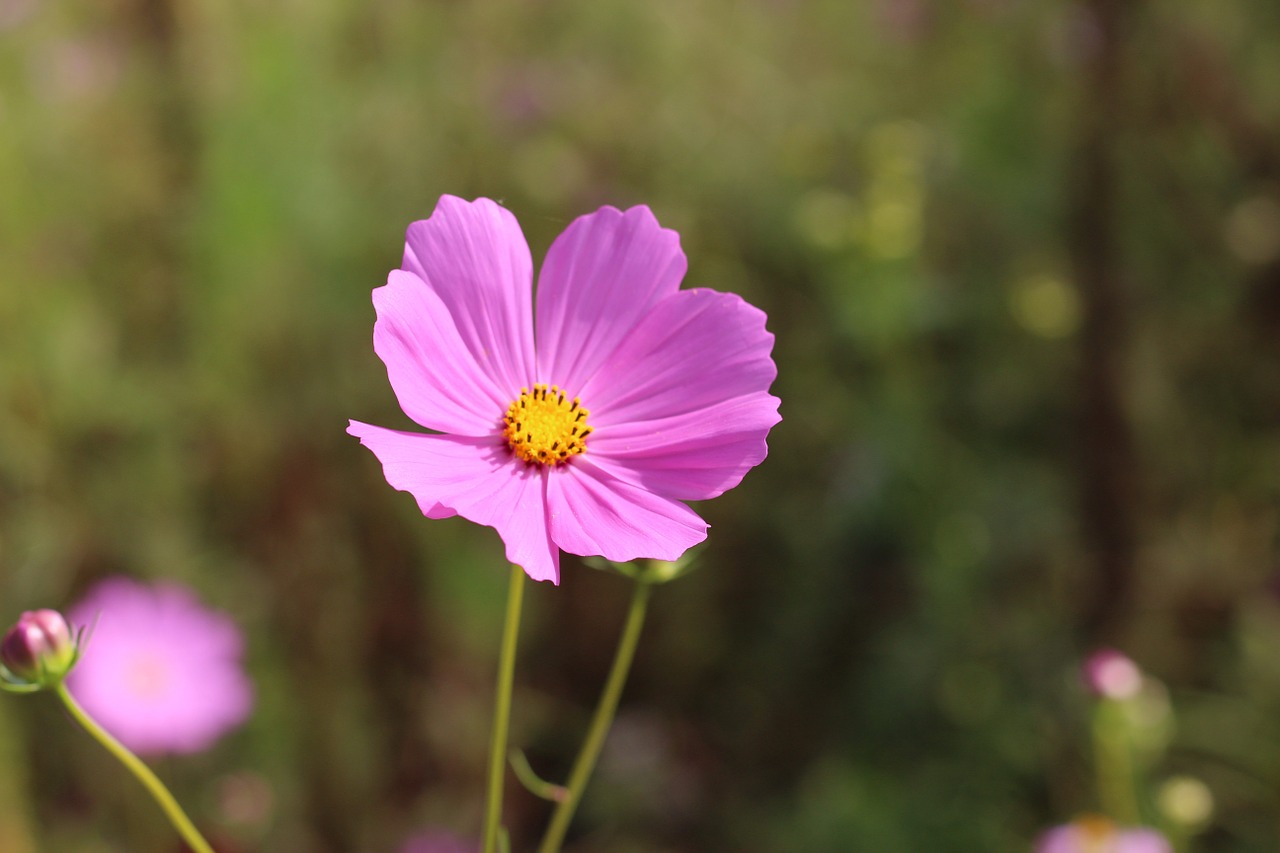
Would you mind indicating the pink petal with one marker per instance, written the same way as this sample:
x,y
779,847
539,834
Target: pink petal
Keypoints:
x,y
694,456
682,407
599,278
474,256
1142,841
695,348
202,692
593,512
476,478
434,375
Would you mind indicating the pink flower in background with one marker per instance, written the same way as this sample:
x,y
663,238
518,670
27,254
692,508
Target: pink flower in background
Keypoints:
x,y
160,672
1099,835
1112,675
586,431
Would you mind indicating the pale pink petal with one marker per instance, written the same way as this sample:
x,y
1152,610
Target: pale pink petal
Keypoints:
x,y
593,512
476,478
1099,836
1060,839
160,672
693,456
693,350
474,256
1142,841
682,407
599,278
434,375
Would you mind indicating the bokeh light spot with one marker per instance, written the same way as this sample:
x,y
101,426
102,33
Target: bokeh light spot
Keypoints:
x,y
1045,305
1252,230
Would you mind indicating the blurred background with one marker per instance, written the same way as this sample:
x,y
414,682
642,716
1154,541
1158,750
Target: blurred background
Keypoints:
x,y
1022,259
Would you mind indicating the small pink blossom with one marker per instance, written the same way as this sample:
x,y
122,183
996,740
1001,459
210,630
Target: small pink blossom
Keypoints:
x,y
582,420
160,671
1099,835
1112,675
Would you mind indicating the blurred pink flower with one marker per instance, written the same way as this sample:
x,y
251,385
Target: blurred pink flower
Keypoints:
x,y
1112,675
1099,835
160,672
586,432
437,841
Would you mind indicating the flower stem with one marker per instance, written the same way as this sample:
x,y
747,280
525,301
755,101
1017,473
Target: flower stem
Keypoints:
x,y
150,781
502,710
1113,757
601,721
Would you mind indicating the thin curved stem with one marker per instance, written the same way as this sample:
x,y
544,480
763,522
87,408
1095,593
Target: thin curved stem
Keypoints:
x,y
601,721
150,781
502,710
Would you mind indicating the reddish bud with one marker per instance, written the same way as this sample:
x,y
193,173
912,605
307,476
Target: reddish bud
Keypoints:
x,y
39,648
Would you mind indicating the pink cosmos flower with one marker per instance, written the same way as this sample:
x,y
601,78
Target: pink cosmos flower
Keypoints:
x,y
580,421
160,672
1099,835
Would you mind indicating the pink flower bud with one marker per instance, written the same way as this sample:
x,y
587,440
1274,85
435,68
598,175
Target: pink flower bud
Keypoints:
x,y
39,648
1112,675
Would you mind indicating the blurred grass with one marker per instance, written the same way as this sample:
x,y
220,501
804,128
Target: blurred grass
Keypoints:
x,y
198,197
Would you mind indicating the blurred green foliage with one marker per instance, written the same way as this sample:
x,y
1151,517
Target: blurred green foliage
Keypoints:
x,y
1022,258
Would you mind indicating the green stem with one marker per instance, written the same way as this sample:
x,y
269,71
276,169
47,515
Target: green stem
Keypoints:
x,y
1113,757
600,722
502,710
15,803
150,781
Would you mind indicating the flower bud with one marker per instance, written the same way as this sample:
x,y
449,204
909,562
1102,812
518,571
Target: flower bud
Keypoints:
x,y
39,649
1110,674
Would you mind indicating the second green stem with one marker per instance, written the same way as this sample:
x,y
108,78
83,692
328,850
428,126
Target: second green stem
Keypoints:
x,y
172,810
1113,756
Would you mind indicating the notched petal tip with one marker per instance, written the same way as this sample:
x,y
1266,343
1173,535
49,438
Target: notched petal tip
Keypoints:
x,y
474,258
599,278
637,220
448,206
362,431
541,574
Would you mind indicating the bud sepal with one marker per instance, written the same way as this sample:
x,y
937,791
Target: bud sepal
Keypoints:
x,y
649,572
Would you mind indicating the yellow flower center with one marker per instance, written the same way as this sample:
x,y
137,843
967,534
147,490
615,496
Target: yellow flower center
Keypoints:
x,y
544,427
1097,833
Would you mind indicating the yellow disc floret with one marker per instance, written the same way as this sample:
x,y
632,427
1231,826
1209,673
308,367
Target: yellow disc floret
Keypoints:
x,y
543,426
